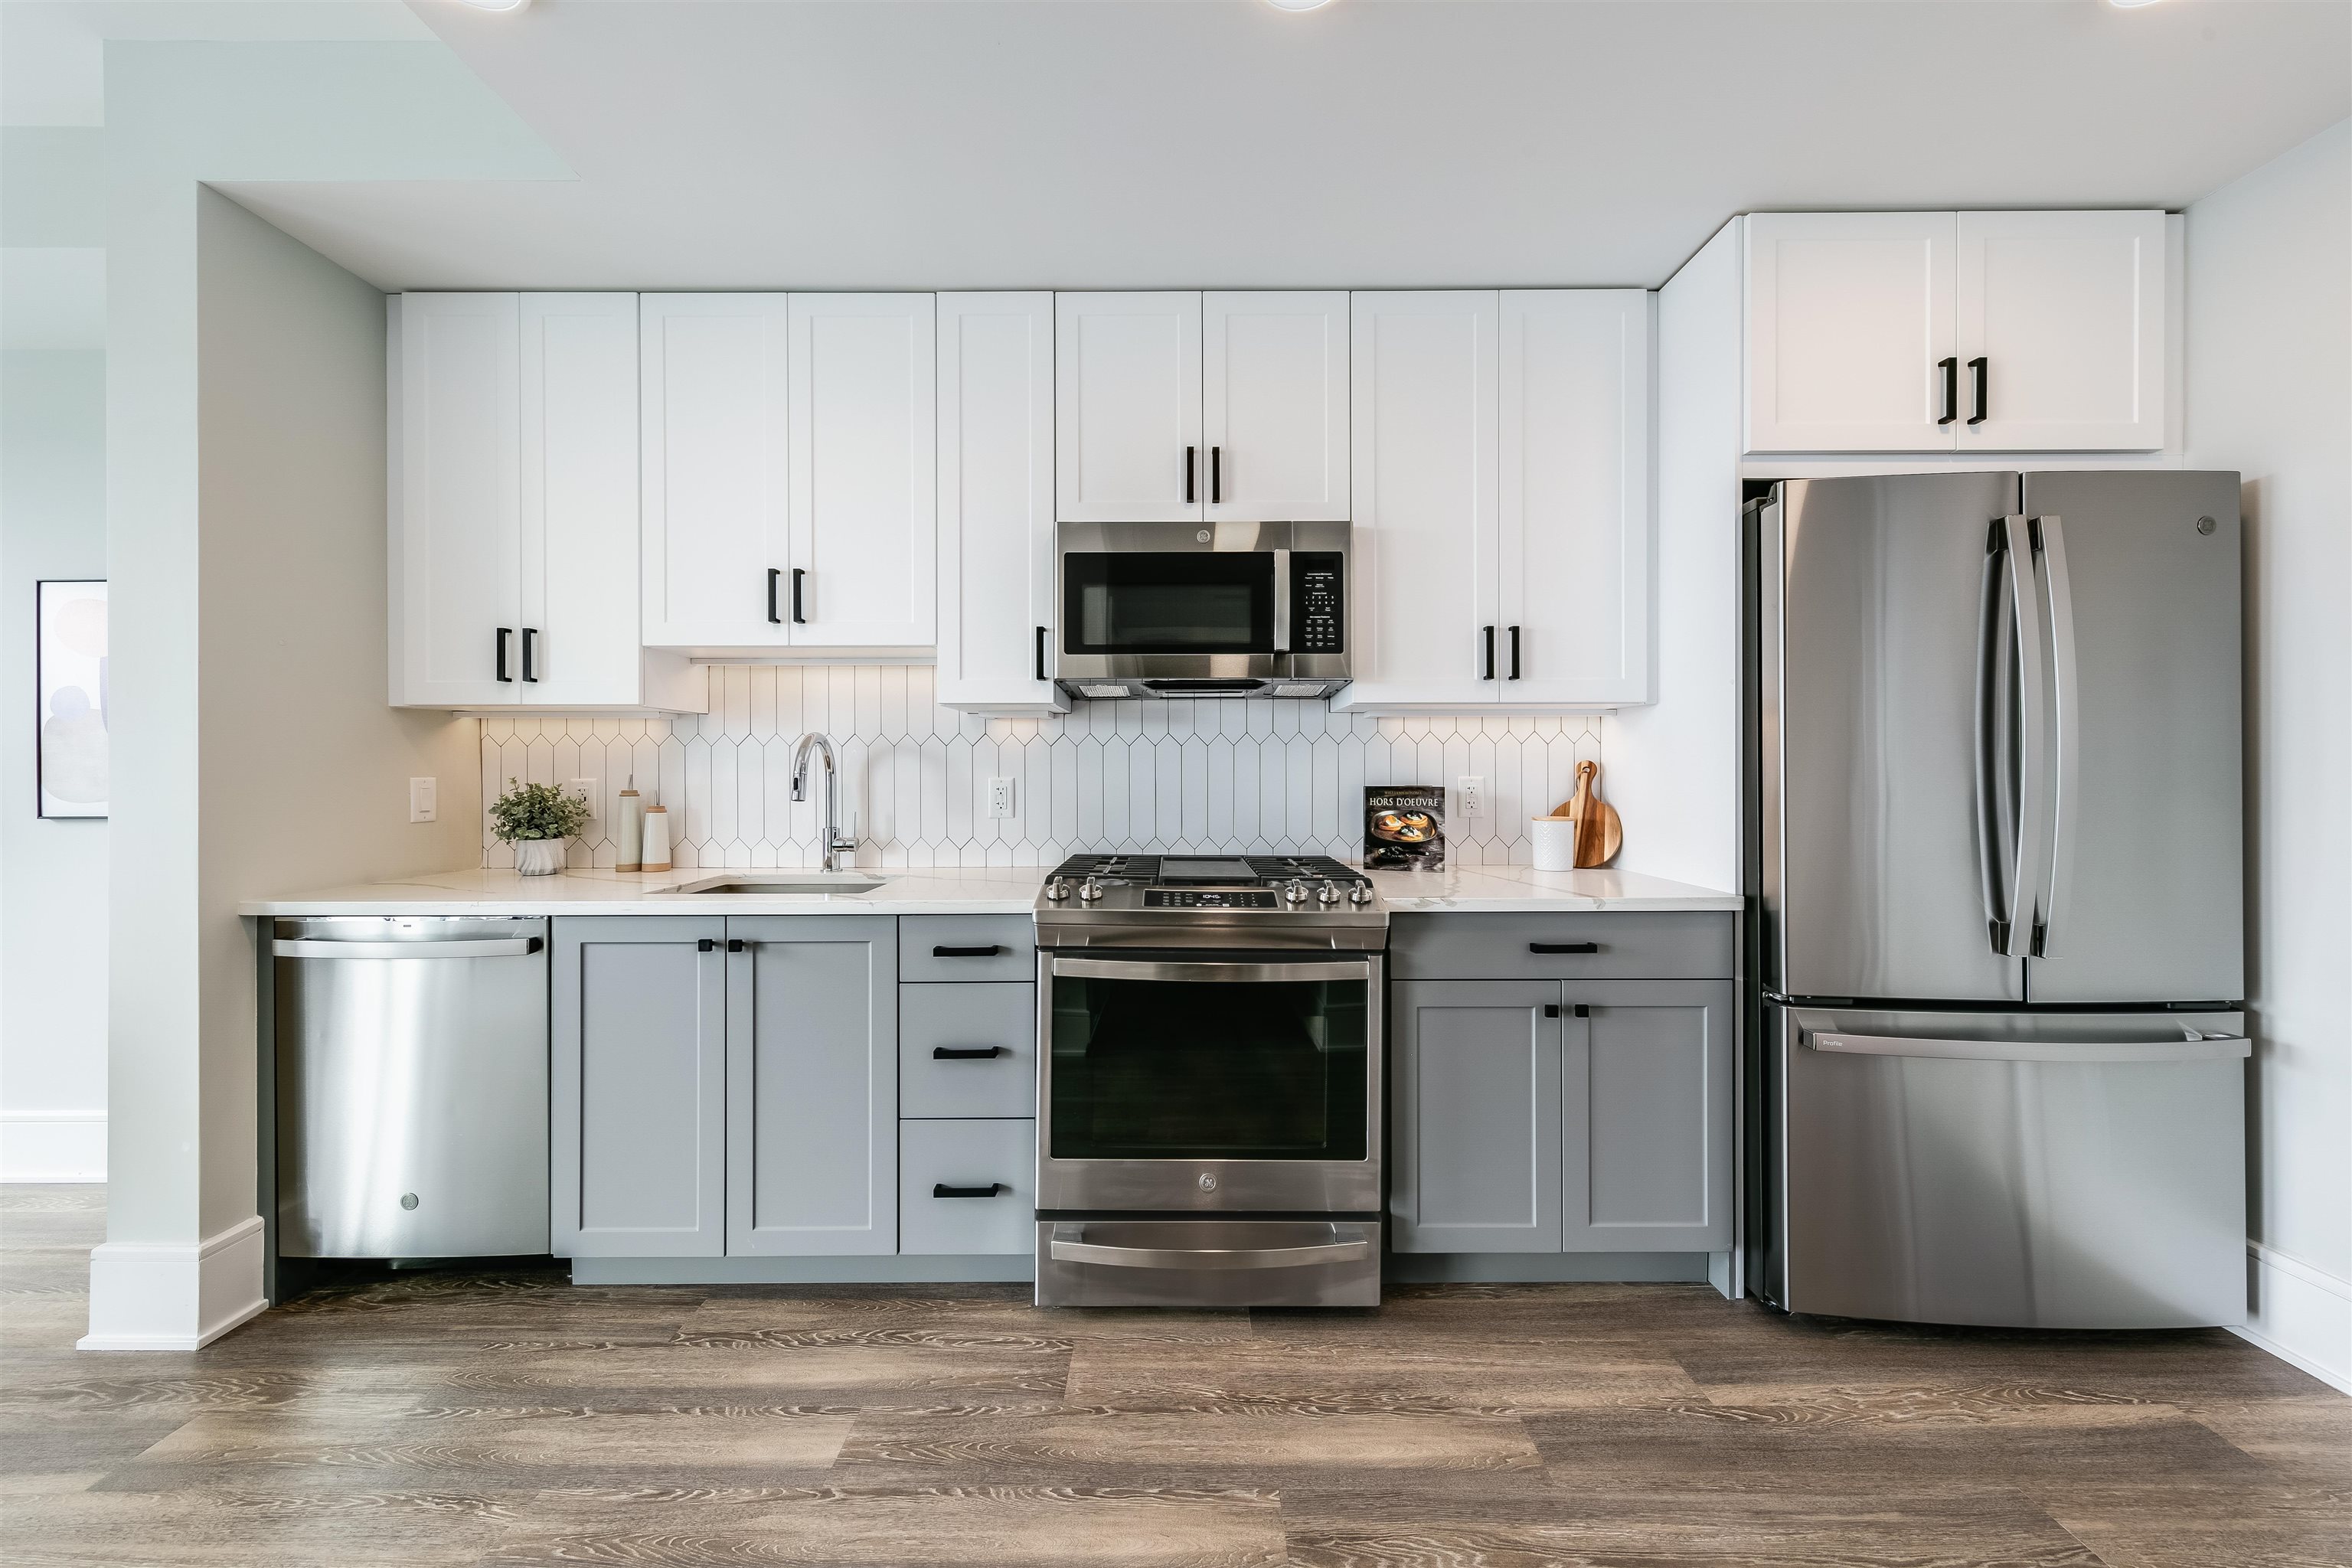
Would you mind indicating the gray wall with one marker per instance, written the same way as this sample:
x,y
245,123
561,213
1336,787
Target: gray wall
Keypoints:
x,y
2270,395
53,892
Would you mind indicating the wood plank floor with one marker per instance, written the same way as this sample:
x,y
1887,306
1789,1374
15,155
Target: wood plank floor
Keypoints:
x,y
505,1419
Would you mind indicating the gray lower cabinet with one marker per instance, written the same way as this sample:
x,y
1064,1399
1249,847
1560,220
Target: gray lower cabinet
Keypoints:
x,y
968,1050
1567,1115
812,1086
966,1187
637,1130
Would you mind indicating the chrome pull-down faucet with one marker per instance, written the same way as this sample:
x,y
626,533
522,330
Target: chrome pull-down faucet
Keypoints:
x,y
830,836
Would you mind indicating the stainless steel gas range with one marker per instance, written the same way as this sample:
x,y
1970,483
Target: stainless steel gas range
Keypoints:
x,y
1209,1071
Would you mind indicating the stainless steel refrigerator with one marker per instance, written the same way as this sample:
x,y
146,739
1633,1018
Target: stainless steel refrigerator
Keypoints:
x,y
1995,860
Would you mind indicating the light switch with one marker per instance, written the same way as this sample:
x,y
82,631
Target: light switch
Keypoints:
x,y
423,800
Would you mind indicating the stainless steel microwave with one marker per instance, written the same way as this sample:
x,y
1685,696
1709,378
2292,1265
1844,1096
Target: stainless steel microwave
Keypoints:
x,y
1202,609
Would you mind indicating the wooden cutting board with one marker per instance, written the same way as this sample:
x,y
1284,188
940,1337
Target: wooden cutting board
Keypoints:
x,y
1599,833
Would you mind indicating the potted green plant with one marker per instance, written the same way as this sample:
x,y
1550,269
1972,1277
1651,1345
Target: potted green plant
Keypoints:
x,y
537,819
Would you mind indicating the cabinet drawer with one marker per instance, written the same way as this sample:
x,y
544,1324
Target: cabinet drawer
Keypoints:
x,y
1697,946
933,1019
950,947
967,1155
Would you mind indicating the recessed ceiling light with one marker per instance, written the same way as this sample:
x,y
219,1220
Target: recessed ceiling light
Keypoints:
x,y
1311,5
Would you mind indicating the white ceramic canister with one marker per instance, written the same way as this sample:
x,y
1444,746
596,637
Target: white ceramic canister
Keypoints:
x,y
656,845
1554,839
633,830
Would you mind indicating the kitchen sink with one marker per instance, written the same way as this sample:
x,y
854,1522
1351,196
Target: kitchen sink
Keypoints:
x,y
756,883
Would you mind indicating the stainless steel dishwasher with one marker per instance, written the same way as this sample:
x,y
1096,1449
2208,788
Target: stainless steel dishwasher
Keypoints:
x,y
412,1087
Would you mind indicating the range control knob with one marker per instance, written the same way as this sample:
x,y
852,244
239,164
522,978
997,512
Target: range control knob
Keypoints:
x,y
1057,889
1090,892
1328,894
1361,893
1295,893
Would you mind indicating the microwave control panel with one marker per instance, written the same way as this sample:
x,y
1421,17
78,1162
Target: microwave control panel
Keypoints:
x,y
1318,603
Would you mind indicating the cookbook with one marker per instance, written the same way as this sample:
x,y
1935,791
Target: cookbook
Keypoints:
x,y
1404,827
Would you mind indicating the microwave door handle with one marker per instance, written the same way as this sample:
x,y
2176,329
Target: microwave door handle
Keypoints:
x,y
1281,601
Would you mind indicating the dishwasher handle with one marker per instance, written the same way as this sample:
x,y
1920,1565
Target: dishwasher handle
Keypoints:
x,y
502,947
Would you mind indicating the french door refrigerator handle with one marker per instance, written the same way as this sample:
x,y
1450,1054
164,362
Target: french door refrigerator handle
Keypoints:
x,y
2065,697
1992,655
2033,718
2190,1045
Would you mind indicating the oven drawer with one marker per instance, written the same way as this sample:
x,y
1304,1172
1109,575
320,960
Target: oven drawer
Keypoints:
x,y
967,947
1208,1263
944,1171
938,1029
1695,946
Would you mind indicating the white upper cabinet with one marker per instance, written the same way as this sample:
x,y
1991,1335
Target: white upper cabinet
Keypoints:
x,y
861,390
996,502
715,521
1850,332
514,448
2065,312
1426,448
1275,405
1574,597
1127,395
1955,331
457,550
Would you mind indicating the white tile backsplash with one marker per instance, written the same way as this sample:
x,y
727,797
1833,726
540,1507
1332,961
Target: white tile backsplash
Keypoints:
x,y
1176,777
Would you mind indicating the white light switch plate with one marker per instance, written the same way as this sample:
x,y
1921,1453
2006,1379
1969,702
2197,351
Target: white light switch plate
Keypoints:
x,y
1472,790
1000,797
423,800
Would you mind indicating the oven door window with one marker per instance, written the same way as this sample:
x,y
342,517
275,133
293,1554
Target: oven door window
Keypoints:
x,y
1148,602
1156,1069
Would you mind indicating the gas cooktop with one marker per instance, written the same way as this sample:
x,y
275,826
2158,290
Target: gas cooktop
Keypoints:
x,y
1210,901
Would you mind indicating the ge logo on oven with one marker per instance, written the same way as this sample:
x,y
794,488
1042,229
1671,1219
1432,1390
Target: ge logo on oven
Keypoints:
x,y
1208,1180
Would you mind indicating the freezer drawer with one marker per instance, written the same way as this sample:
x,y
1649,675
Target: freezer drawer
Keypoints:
x,y
2064,1170
412,1087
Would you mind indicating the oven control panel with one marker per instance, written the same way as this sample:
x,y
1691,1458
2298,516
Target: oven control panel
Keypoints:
x,y
1319,593
1211,898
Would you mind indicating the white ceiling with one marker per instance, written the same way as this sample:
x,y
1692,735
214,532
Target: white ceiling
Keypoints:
x,y
881,144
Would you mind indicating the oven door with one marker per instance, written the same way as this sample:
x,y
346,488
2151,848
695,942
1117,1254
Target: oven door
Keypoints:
x,y
1209,1085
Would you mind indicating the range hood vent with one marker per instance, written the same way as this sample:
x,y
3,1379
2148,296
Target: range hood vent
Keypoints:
x,y
1114,687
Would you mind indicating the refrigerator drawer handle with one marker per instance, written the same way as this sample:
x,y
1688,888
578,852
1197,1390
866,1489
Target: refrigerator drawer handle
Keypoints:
x,y
306,947
2191,1047
1069,1245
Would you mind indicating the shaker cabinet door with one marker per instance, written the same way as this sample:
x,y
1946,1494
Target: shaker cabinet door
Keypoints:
x,y
1127,393
714,524
1475,1149
637,1140
812,1086
1850,320
456,591
2066,311
1275,405
1648,1078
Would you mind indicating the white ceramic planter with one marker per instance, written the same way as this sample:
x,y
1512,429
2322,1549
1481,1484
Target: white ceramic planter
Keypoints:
x,y
540,857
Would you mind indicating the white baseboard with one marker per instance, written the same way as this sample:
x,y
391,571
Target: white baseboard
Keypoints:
x,y
53,1146
2301,1315
162,1296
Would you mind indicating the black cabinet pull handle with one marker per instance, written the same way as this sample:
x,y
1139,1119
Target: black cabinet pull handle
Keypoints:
x,y
1551,1009
991,951
1041,653
706,944
1189,453
1216,474
965,1053
799,618
1976,369
1951,369
736,944
529,670
942,1190
503,634
1563,947
774,619
1514,652
1486,639
1583,1011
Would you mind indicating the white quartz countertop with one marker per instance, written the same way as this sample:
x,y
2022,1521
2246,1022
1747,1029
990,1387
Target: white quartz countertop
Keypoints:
x,y
1522,890
945,890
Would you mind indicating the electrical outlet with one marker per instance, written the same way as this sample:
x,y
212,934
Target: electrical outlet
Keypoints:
x,y
591,791
423,802
1000,797
1472,789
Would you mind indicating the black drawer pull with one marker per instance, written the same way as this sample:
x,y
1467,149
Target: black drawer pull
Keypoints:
x,y
991,951
1563,947
965,1053
942,1190
707,944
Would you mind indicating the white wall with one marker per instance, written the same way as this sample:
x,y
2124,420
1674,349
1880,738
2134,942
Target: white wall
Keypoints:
x,y
52,870
2270,395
